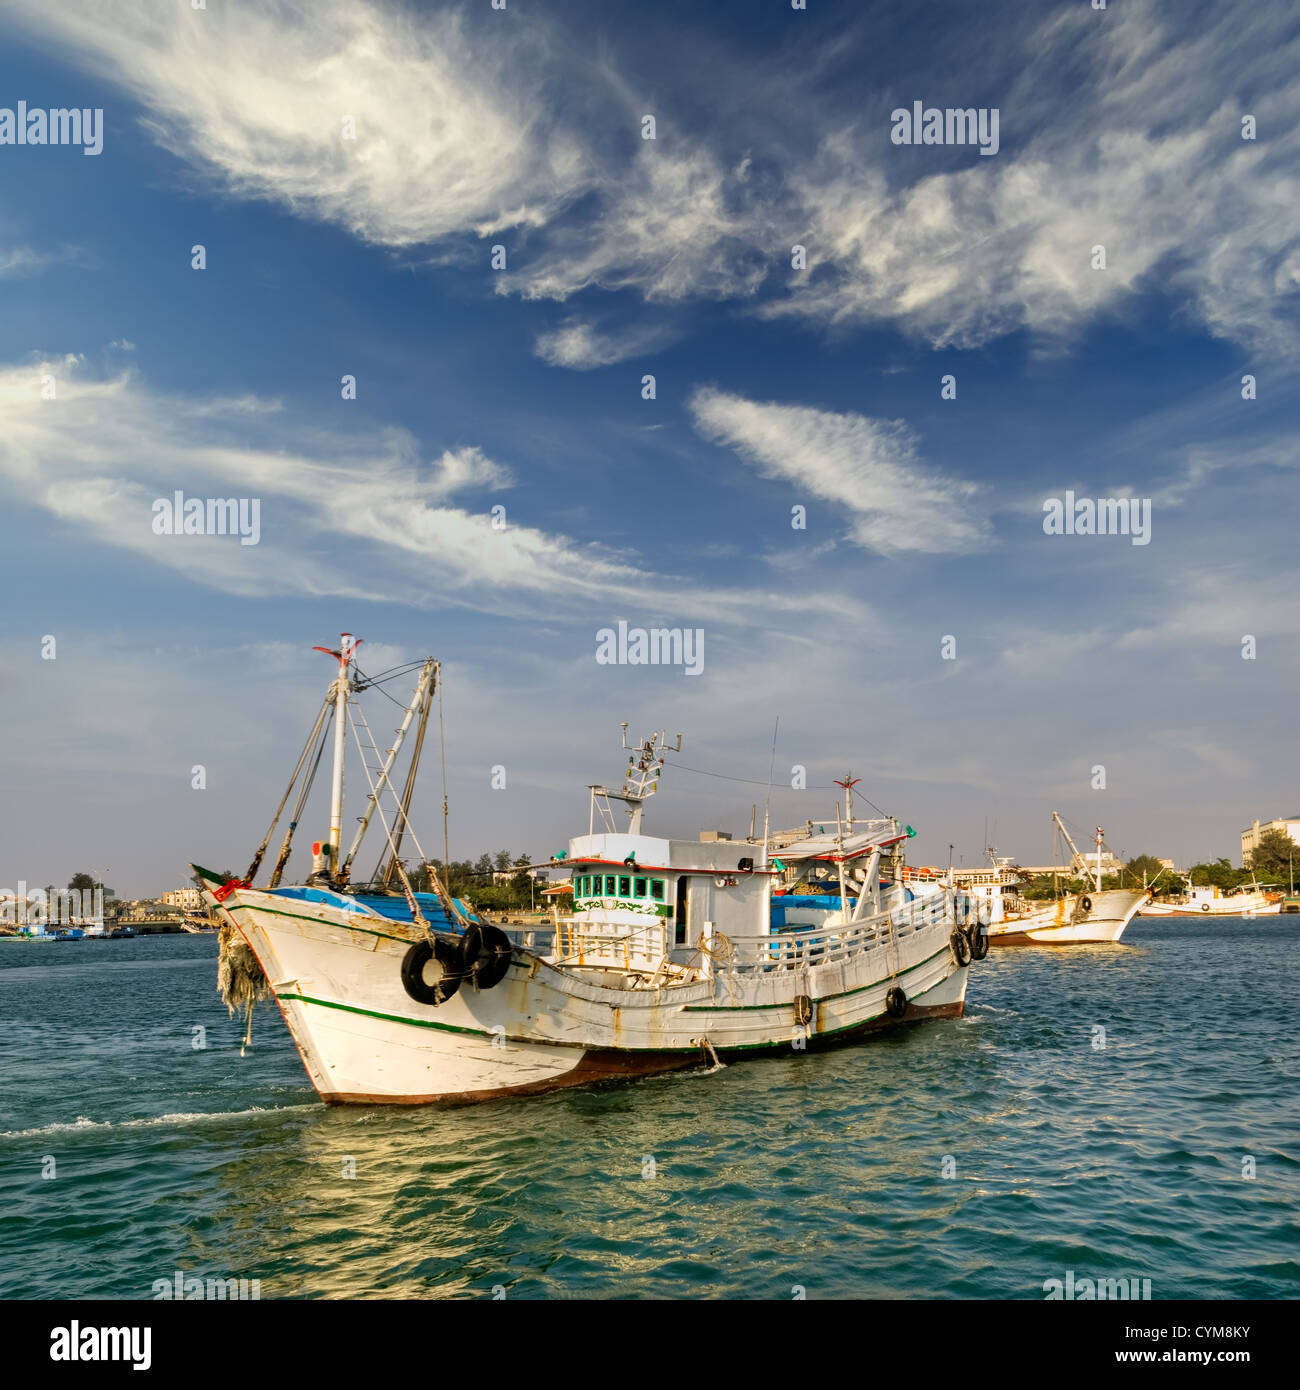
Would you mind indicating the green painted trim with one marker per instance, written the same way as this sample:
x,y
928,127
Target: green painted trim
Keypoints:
x,y
746,1008
774,1044
389,1018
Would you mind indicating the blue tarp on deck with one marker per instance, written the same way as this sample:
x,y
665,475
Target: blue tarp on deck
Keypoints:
x,y
394,908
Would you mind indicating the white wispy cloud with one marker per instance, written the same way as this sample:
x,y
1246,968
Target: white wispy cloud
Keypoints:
x,y
452,131
675,224
468,127
581,346
350,511
1146,158
21,260
871,470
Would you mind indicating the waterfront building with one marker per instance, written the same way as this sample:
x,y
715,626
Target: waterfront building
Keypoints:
x,y
1250,837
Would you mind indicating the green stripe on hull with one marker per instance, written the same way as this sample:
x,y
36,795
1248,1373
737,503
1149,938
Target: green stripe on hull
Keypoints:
x,y
782,1043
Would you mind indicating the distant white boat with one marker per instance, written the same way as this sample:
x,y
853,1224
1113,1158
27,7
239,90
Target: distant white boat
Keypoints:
x,y
1205,900
1095,916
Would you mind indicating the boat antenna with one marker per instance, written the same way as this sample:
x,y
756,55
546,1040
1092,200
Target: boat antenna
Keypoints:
x,y
849,782
442,740
339,690
767,802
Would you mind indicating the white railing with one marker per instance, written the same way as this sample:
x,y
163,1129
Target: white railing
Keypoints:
x,y
824,945
579,942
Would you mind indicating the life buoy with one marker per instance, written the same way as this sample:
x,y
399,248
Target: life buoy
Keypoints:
x,y
896,1002
1085,902
961,948
485,955
447,953
1205,907
979,944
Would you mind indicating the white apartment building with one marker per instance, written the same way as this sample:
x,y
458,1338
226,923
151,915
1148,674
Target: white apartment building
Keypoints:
x,y
1288,825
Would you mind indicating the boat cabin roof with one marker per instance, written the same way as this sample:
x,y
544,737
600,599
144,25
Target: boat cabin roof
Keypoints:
x,y
654,854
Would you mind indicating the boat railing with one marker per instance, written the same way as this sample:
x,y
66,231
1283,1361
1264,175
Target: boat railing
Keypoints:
x,y
825,945
579,942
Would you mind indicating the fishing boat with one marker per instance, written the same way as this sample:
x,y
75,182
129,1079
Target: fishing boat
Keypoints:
x,y
1205,900
1094,916
671,957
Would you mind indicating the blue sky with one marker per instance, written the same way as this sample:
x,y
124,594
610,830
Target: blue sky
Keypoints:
x,y
775,388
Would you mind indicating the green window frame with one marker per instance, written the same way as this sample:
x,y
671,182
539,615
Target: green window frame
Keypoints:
x,y
609,886
638,886
625,886
657,889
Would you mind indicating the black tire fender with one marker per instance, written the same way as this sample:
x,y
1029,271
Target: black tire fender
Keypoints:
x,y
961,947
485,955
896,1002
448,955
979,944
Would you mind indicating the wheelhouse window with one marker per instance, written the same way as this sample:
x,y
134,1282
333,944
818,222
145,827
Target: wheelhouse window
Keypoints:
x,y
625,887
657,889
639,887
610,890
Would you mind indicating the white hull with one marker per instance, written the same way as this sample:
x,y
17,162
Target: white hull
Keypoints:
x,y
337,978
1068,923
1220,907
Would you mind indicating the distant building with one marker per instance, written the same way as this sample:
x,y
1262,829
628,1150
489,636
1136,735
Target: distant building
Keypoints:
x,y
1288,825
712,836
187,899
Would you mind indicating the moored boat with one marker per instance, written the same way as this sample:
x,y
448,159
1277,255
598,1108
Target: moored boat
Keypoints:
x,y
1096,916
1206,900
669,959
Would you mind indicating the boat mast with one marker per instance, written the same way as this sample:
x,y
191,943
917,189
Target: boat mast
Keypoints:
x,y
347,646
419,703
1099,859
385,874
1078,859
839,845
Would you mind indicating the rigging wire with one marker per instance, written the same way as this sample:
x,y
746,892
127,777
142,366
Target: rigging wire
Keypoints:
x,y
442,740
750,781
392,673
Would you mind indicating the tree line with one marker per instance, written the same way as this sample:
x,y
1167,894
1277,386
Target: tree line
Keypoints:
x,y
1272,862
474,879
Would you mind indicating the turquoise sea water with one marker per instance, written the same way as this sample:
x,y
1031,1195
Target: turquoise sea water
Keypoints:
x,y
823,1172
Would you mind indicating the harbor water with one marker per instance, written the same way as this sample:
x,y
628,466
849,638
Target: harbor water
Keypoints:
x,y
1127,1111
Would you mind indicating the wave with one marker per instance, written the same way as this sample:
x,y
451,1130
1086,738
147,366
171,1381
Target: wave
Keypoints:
x,y
183,1118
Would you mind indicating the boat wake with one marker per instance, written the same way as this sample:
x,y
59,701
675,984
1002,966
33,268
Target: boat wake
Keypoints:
x,y
183,1118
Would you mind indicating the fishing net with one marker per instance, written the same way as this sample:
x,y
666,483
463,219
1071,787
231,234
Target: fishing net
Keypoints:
x,y
241,981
